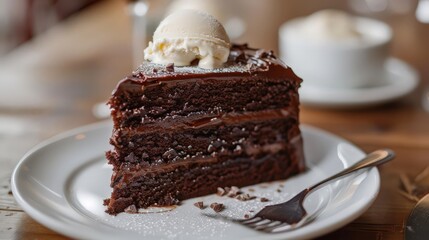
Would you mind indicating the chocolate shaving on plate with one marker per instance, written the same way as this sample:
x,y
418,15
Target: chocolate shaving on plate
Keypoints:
x,y
244,197
199,205
217,207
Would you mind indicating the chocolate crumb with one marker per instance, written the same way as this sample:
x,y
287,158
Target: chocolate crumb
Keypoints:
x,y
278,190
244,197
220,191
154,70
199,205
169,67
246,216
233,192
131,209
217,207
10,192
9,228
106,201
9,214
241,58
264,199
252,211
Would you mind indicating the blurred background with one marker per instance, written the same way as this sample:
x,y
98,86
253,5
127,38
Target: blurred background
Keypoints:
x,y
22,21
61,59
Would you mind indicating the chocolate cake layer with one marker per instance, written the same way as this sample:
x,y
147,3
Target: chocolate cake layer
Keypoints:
x,y
238,135
166,100
168,184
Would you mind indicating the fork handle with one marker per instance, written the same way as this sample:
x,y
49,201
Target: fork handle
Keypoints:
x,y
375,158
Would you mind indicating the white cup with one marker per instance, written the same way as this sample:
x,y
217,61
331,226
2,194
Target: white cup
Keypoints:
x,y
337,64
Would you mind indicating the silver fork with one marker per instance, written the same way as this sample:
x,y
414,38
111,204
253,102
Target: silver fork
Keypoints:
x,y
291,214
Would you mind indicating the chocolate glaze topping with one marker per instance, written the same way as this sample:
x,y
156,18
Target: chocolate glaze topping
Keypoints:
x,y
242,60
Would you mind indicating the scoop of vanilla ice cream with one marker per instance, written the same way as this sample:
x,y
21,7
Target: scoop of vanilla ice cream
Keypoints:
x,y
330,25
187,35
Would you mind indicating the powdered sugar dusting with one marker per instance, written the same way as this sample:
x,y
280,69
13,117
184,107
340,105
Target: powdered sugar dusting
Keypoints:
x,y
152,69
187,221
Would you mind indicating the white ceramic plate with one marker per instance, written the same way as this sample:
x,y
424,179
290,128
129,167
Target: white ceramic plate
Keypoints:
x,y
62,183
401,79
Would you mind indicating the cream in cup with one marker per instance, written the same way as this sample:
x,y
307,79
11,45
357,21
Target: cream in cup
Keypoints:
x,y
333,49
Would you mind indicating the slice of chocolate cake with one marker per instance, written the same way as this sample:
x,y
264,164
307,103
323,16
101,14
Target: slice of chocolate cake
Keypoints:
x,y
182,132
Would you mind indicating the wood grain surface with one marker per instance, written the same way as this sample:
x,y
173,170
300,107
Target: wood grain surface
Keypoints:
x,y
52,83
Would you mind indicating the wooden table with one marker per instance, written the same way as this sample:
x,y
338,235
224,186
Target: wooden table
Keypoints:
x,y
51,84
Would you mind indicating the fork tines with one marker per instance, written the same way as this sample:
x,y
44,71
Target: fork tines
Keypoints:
x,y
262,224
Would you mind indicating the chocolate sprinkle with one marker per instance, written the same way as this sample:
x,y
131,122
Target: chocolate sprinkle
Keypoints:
x,y
246,216
217,207
199,205
264,199
244,197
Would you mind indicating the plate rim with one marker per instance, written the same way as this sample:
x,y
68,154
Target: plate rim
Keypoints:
x,y
61,227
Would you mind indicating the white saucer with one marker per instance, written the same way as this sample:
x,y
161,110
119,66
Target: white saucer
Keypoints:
x,y
401,79
62,183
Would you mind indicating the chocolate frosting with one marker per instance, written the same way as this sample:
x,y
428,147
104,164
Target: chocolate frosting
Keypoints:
x,y
242,61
